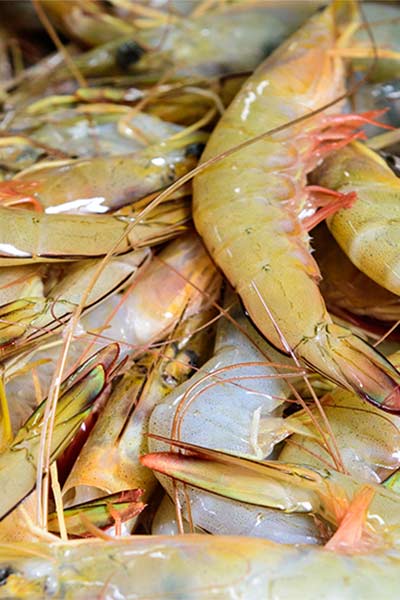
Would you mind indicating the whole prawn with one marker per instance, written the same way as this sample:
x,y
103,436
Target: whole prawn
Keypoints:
x,y
253,207
199,567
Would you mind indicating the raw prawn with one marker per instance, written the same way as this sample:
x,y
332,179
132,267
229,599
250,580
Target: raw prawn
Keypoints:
x,y
274,484
368,231
30,318
169,288
102,184
368,440
214,43
109,461
203,567
199,567
78,393
234,403
251,207
27,236
101,135
347,291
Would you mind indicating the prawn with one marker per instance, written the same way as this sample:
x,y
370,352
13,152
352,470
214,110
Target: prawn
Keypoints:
x,y
234,403
164,290
28,318
198,567
81,137
27,236
364,231
78,393
347,291
366,519
368,440
123,422
212,44
252,209
102,184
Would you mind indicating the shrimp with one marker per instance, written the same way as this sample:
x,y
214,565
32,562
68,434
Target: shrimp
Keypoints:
x,y
368,441
251,207
203,567
211,44
109,461
28,236
81,137
368,232
169,288
101,184
29,319
286,487
199,567
234,403
349,293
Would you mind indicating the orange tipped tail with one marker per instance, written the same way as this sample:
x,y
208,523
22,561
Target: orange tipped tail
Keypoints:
x,y
351,535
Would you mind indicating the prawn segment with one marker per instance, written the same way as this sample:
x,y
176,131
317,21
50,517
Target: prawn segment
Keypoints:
x,y
250,205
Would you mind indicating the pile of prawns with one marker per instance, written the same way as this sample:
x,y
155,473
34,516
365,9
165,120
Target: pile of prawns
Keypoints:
x,y
199,281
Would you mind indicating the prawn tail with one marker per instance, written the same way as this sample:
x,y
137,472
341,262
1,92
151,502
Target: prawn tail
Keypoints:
x,y
351,362
352,534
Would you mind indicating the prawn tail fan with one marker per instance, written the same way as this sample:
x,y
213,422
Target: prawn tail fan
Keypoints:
x,y
352,363
352,534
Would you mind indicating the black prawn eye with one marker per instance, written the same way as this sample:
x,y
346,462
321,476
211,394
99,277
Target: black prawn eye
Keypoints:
x,y
392,161
195,149
128,54
5,573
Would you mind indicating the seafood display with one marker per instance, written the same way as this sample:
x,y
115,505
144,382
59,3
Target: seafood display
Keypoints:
x,y
199,299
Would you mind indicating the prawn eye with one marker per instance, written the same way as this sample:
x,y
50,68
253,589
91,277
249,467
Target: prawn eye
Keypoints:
x,y
5,573
128,54
392,161
194,149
